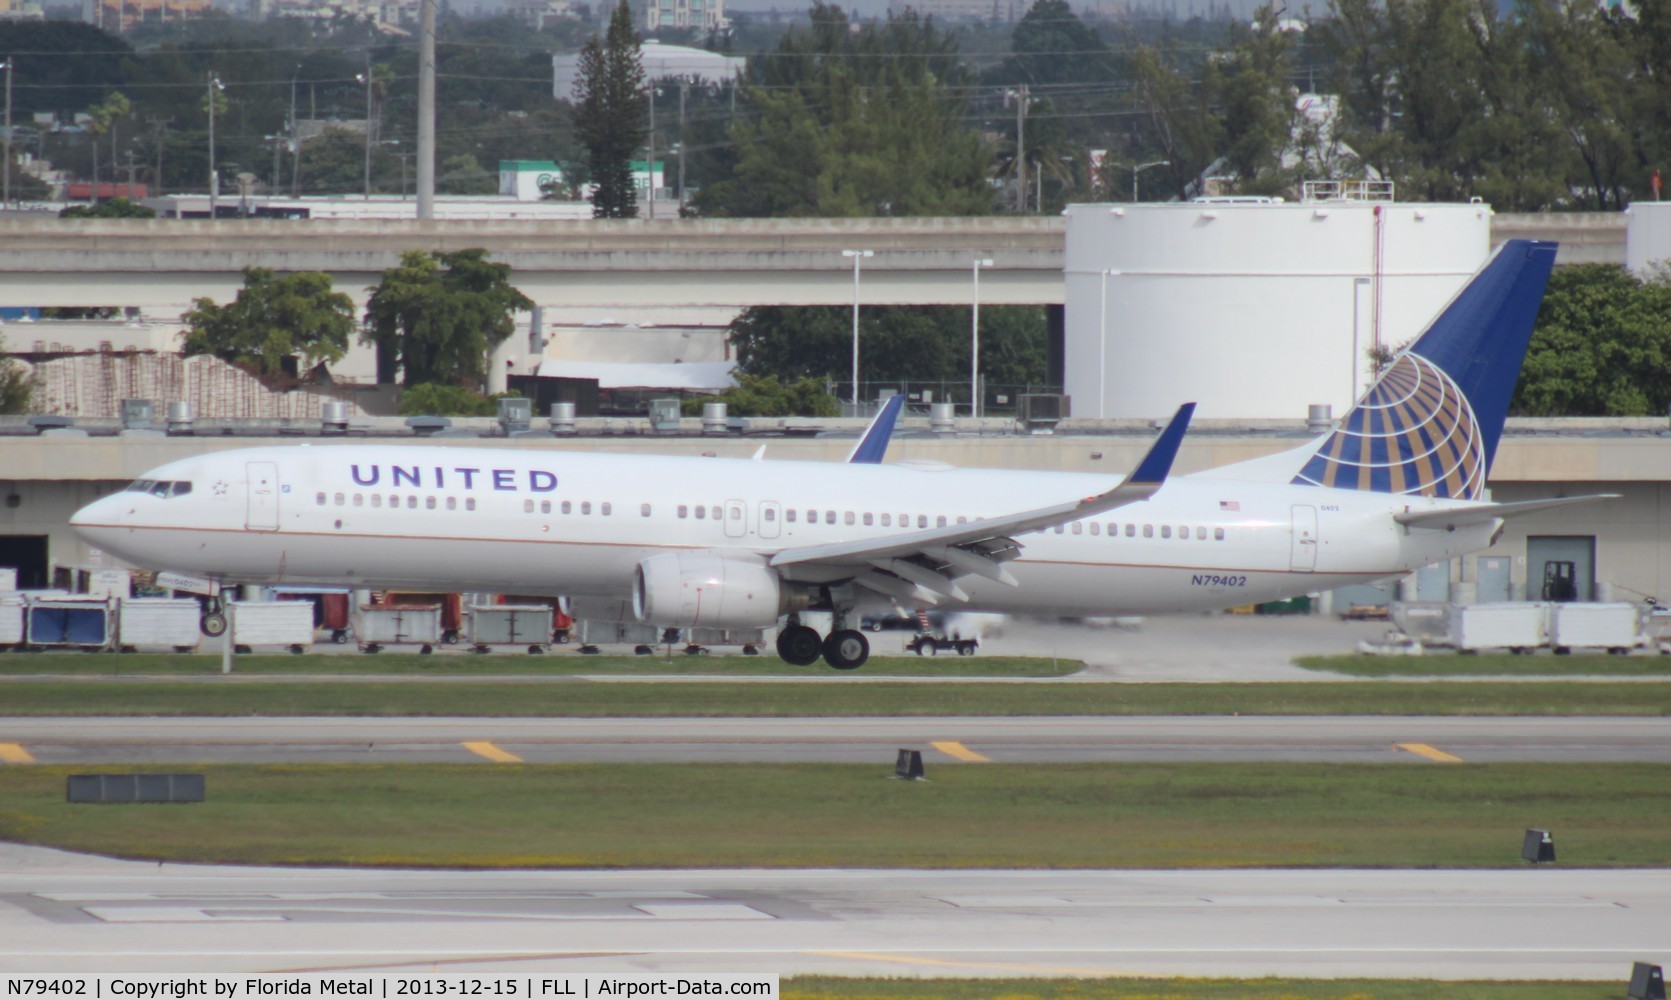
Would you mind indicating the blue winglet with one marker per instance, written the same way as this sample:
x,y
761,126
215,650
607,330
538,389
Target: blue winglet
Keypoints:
x,y
874,443
1158,462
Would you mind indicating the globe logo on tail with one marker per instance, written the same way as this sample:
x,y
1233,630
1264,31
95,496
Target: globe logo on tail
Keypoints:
x,y
1413,433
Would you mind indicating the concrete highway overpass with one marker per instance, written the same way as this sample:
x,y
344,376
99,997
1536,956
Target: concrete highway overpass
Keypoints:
x,y
165,263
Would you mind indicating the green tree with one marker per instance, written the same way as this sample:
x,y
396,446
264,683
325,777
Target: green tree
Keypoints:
x,y
770,396
612,114
1601,347
436,316
106,116
17,383
841,121
897,343
274,319
1051,45
115,208
431,400
462,174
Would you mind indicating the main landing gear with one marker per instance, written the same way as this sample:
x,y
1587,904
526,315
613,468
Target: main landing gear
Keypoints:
x,y
843,649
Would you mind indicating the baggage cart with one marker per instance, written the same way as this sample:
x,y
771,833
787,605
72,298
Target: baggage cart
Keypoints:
x,y
378,625
11,621
1430,623
285,624
157,623
68,622
510,625
1615,627
1518,627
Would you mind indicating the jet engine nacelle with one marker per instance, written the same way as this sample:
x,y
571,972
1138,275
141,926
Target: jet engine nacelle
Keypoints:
x,y
707,590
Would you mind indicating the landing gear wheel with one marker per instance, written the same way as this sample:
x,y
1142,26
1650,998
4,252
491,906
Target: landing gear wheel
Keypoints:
x,y
212,624
847,649
799,645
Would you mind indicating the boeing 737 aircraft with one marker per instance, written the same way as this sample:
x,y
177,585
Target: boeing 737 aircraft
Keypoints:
x,y
704,542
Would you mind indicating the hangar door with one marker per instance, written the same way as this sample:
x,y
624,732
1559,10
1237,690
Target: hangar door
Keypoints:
x,y
1560,567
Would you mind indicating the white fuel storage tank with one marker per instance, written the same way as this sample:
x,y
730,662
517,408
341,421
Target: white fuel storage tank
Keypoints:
x,y
1253,309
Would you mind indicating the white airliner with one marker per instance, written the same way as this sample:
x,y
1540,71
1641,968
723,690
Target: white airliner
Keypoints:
x,y
704,542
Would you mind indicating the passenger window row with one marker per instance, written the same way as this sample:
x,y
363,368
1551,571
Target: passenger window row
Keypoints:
x,y
411,501
1131,530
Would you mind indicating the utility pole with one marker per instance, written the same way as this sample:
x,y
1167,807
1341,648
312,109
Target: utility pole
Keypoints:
x,y
426,111
295,141
214,180
160,124
684,89
130,175
6,197
1021,96
365,78
650,168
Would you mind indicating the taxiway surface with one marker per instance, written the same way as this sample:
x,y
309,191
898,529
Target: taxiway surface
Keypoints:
x,y
61,912
1339,739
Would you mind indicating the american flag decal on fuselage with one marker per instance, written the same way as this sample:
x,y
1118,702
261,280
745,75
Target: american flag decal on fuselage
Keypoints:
x,y
1413,433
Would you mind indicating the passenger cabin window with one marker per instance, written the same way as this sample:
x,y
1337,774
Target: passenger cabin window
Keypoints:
x,y
701,513
768,514
1131,531
429,503
1166,531
847,518
1148,531
1078,529
606,508
1095,527
469,503
568,507
1200,534
377,499
359,499
736,513
643,510
452,503
340,499
319,498
394,501
683,511
715,512
586,507
789,515
940,522
922,520
870,519
887,520
527,506
1218,534
829,517
545,506
1058,529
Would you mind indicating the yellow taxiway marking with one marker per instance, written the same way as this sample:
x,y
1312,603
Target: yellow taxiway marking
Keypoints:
x,y
13,753
1431,753
483,748
1037,970
952,748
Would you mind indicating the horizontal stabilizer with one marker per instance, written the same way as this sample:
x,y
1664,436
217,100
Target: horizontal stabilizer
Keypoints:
x,y
1461,517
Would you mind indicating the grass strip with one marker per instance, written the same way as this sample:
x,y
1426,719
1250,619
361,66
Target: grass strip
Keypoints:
x,y
580,699
841,815
1490,665
561,661
831,988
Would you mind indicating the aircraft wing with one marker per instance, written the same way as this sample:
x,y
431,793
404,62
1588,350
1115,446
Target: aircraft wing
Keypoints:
x,y
1459,517
916,565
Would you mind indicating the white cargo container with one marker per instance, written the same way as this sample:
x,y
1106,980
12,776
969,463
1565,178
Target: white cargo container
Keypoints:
x,y
1616,628
157,623
750,639
510,625
272,623
376,627
1430,623
1519,627
11,621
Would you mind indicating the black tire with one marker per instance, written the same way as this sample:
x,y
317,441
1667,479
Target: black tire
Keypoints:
x,y
965,649
426,649
847,649
339,636
296,649
799,645
450,637
212,624
642,651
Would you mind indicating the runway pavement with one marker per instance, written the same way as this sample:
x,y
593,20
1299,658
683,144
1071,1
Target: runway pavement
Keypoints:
x,y
61,913
1352,739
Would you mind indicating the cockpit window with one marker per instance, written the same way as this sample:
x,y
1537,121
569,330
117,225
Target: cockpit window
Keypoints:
x,y
163,488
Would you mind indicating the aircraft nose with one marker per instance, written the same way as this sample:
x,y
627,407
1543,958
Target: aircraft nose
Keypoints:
x,y
95,520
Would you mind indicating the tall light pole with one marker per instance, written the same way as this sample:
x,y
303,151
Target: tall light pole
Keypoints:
x,y
650,168
215,86
426,111
1021,97
365,78
6,197
857,255
1139,168
975,343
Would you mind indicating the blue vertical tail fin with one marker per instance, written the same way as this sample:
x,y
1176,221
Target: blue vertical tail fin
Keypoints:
x,y
1429,425
873,444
